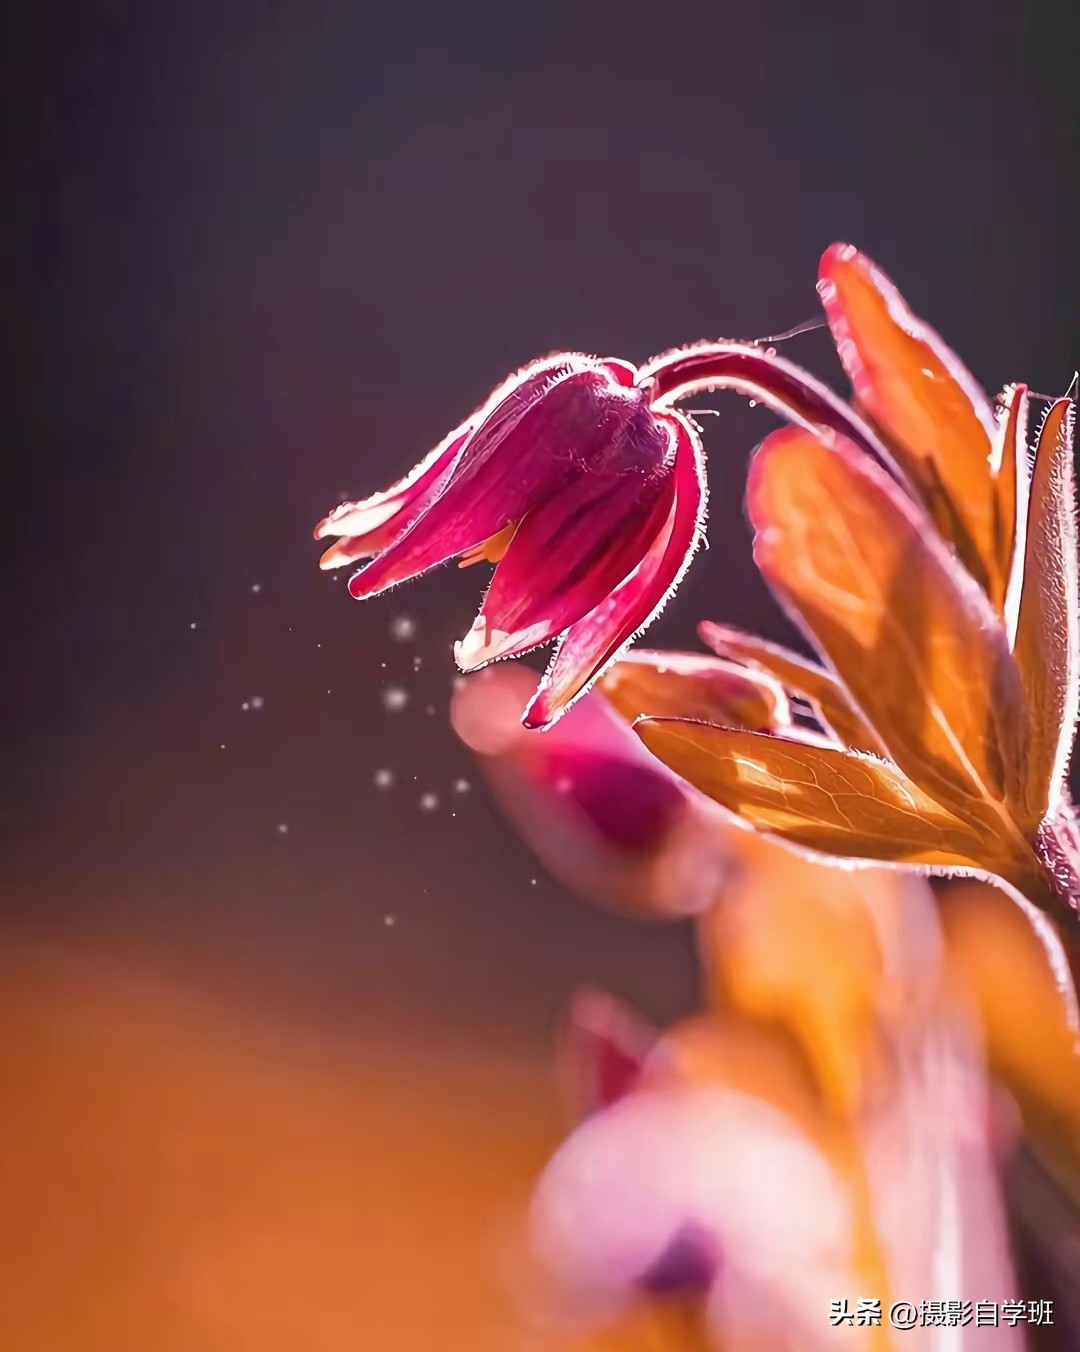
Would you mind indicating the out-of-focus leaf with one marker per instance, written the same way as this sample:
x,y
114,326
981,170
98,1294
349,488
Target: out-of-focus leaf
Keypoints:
x,y
1046,630
1028,1021
692,685
1011,473
820,687
937,419
914,640
818,797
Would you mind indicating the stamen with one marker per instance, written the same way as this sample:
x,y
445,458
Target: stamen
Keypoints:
x,y
492,549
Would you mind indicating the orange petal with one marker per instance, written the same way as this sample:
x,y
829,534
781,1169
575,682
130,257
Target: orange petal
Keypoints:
x,y
918,646
937,420
820,798
831,702
691,685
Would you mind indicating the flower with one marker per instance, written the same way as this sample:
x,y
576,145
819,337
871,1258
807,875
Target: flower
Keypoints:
x,y
589,501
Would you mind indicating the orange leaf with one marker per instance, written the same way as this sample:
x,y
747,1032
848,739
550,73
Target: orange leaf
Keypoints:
x,y
936,418
692,685
1011,474
818,797
1046,631
924,657
820,687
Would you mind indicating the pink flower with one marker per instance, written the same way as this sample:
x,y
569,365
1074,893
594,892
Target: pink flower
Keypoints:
x,y
589,500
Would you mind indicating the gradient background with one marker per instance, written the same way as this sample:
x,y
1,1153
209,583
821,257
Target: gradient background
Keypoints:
x,y
265,255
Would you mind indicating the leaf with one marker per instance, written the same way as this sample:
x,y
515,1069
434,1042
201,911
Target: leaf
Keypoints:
x,y
692,685
1011,474
820,798
820,687
1046,630
913,639
937,420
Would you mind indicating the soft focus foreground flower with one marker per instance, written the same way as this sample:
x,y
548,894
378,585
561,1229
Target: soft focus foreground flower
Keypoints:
x,y
589,501
832,1099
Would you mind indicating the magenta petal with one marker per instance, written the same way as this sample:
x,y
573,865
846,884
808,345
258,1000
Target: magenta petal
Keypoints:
x,y
541,435
567,556
369,526
593,643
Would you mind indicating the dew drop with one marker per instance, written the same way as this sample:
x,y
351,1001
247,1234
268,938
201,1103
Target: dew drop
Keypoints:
x,y
462,786
403,628
384,779
429,802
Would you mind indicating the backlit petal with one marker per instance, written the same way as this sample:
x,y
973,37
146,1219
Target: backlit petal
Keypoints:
x,y
367,527
568,555
589,646
526,449
931,409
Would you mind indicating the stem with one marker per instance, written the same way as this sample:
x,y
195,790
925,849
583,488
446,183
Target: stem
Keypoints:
x,y
762,375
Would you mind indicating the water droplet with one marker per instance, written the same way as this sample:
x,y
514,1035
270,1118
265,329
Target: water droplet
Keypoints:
x,y
753,403
257,701
389,921
384,779
429,802
462,786
430,709
403,628
256,587
194,624
564,784
394,698
417,663
283,828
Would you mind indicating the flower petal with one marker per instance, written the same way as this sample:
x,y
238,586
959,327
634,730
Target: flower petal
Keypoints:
x,y
545,433
1046,631
573,551
369,526
915,641
937,420
692,685
591,644
831,703
606,818
820,798
603,1049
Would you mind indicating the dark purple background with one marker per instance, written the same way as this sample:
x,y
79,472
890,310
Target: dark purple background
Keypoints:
x,y
264,254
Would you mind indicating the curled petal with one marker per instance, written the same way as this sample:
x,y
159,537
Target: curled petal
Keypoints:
x,y
543,434
568,555
369,526
691,685
935,416
591,644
